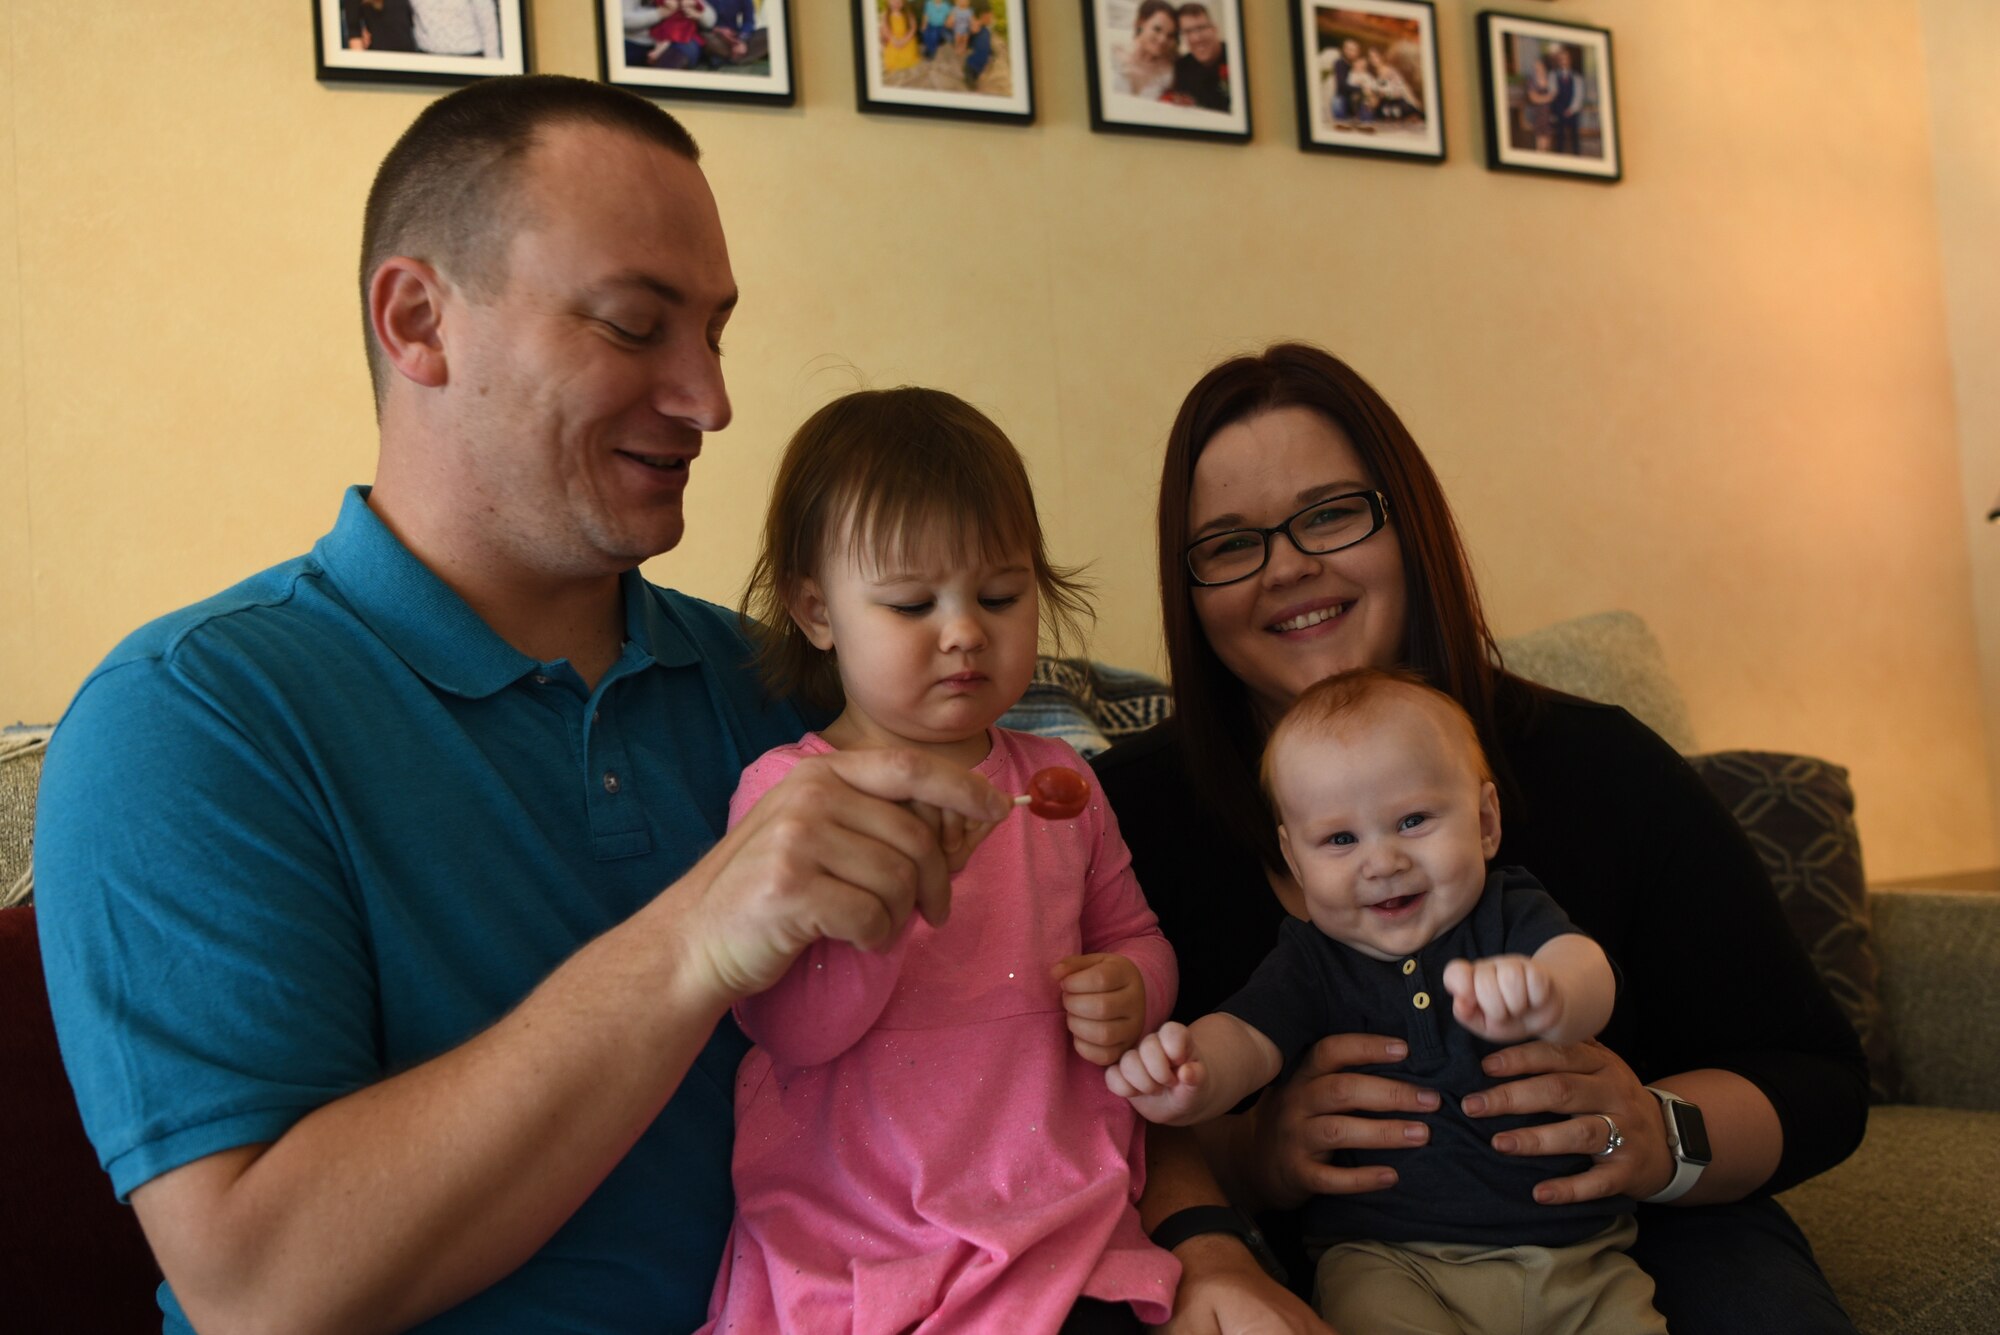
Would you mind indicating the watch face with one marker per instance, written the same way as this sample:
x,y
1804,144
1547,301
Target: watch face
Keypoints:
x,y
1693,1132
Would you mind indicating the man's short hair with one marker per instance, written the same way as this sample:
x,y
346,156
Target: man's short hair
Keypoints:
x,y
1192,10
446,193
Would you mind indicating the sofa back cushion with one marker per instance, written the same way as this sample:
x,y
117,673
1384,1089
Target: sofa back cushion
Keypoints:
x,y
1799,815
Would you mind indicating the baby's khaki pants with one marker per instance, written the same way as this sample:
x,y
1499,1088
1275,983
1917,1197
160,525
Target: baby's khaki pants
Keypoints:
x,y
1424,1288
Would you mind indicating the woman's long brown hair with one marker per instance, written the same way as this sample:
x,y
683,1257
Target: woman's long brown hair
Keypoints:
x,y
1445,637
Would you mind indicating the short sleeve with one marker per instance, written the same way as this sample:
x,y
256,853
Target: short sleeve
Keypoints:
x,y
209,973
1284,999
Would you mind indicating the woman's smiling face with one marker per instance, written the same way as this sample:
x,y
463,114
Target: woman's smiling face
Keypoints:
x,y
1301,618
1159,36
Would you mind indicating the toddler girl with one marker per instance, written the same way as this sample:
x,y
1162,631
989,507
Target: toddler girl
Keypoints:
x,y
924,1139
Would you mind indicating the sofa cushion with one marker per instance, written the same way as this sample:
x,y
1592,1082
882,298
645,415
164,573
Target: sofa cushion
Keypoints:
x,y
1906,1229
1799,815
1610,657
71,1257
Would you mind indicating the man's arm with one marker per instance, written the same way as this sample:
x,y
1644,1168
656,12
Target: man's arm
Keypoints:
x,y
389,1205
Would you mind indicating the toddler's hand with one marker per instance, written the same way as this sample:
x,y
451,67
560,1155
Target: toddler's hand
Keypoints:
x,y
1503,998
1162,1076
1105,998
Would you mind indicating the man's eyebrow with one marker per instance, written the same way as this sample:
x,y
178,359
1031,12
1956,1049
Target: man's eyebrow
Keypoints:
x,y
666,291
1305,497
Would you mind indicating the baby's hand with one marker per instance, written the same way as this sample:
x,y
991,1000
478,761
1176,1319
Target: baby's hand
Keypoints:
x,y
1105,998
1503,998
1162,1076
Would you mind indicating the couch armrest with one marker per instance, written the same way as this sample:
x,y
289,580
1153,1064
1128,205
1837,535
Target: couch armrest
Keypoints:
x,y
1940,954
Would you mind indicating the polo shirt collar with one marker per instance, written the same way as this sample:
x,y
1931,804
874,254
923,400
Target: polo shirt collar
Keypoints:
x,y
434,630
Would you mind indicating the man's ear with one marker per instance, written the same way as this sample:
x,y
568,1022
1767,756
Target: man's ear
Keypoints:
x,y
406,309
1489,819
808,608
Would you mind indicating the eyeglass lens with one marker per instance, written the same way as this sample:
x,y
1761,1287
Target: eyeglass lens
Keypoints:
x,y
1325,526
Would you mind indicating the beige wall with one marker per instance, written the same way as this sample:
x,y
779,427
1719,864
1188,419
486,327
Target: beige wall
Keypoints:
x,y
1719,393
1961,40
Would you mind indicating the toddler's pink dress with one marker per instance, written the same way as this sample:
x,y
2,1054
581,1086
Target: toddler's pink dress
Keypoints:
x,y
918,1147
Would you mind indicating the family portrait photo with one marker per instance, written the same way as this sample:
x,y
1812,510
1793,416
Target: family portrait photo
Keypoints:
x,y
729,49
1368,77
1168,67
419,41
943,57
1550,105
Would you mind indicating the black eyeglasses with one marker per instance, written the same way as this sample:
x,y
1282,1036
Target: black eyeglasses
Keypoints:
x,y
1327,525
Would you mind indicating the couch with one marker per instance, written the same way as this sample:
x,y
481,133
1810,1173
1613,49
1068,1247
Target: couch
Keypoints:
x,y
1908,1229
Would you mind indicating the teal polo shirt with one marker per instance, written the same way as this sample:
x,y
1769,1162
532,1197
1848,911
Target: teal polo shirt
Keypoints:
x,y
327,825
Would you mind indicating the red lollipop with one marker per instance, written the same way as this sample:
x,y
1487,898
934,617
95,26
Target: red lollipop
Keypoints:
x,y
1056,793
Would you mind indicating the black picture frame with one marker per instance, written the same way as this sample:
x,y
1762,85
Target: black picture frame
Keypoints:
x,y
1518,138
336,61
1365,78
763,71
934,84
1187,107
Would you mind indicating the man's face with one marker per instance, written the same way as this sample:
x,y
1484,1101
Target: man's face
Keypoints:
x,y
578,393
1203,42
1350,50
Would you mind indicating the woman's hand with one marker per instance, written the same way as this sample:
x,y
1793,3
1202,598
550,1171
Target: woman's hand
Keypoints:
x,y
1300,1123
1225,1292
1590,1082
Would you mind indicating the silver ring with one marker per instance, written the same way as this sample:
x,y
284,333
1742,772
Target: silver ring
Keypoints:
x,y
1613,1137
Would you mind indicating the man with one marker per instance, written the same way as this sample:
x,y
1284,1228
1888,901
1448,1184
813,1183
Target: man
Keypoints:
x,y
1201,74
1568,103
1345,102
385,902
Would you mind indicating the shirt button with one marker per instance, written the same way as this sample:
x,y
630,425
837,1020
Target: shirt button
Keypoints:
x,y
610,782
1422,1001
1409,967
541,679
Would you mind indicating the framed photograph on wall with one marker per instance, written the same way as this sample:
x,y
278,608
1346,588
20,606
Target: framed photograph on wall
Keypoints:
x,y
1167,67
1367,78
1551,103
944,58
419,41
735,50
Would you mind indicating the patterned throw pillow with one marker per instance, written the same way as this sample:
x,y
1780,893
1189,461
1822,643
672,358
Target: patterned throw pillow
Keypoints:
x,y
1799,814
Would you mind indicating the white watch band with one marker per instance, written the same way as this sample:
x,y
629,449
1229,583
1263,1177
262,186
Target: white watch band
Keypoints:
x,y
1686,1172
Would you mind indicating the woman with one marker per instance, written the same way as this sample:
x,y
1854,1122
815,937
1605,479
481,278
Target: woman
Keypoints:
x,y
1146,67
1717,1000
1538,115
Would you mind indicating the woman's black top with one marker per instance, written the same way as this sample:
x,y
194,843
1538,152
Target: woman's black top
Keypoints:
x,y
1630,842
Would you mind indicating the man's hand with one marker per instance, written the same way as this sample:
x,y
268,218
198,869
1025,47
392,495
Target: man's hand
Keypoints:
x,y
1163,1076
1105,998
1225,1292
831,852
1504,998
958,837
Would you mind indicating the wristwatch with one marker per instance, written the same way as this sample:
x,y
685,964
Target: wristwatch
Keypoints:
x,y
1687,1137
1196,1220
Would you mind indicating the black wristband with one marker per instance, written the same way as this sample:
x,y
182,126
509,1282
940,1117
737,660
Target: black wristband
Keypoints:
x,y
1196,1220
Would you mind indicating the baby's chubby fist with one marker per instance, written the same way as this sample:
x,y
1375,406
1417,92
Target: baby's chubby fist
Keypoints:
x,y
1503,998
1162,1075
